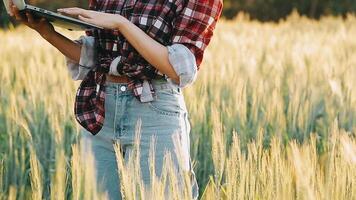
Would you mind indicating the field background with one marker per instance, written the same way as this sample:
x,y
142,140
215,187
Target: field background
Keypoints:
x,y
273,114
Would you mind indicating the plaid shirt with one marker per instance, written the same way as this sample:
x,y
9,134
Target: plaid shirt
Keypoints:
x,y
189,22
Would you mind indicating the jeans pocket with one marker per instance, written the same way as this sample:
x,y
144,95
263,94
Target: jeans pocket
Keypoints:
x,y
168,102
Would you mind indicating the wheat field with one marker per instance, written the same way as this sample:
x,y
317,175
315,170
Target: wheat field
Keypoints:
x,y
273,115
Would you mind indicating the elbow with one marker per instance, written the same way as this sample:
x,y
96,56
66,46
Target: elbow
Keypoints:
x,y
184,75
176,80
184,64
187,78
79,67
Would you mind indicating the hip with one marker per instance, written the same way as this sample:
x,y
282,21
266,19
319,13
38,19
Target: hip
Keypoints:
x,y
166,114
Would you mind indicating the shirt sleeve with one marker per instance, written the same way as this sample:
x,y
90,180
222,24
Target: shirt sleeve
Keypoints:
x,y
194,25
184,64
87,58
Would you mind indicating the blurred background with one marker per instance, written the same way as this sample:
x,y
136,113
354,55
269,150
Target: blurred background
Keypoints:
x,y
263,10
272,112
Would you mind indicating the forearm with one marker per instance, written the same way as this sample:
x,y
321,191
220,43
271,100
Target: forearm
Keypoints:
x,y
154,52
66,46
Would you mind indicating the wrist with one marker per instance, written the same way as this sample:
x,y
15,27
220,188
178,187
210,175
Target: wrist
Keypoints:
x,y
47,35
121,23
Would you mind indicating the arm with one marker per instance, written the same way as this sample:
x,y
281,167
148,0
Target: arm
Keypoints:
x,y
66,46
79,70
193,28
154,52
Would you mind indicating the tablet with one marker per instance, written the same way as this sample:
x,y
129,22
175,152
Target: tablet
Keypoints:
x,y
56,19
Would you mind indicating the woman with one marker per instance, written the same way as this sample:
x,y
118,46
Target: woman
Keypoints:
x,y
134,70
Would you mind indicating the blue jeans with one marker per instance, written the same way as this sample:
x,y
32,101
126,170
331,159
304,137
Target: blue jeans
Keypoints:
x,y
161,118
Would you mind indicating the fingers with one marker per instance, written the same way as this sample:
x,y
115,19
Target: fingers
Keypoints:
x,y
30,18
89,20
16,13
74,11
10,6
43,19
12,12
85,19
68,11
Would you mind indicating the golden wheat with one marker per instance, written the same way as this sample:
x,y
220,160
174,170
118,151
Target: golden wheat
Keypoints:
x,y
273,115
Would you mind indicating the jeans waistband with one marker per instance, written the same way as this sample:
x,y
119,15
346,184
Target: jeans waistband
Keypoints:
x,y
122,88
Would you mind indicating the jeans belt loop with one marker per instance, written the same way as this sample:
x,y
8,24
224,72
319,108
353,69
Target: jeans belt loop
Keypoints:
x,y
167,85
97,88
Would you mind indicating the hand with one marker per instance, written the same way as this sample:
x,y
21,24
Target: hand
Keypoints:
x,y
105,20
42,26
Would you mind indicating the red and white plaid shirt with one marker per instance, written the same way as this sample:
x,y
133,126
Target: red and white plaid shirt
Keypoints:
x,y
189,22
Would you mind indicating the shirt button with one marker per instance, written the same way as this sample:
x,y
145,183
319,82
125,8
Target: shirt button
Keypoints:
x,y
123,88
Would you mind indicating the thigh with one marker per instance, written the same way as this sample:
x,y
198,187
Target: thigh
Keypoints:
x,y
101,146
105,166
165,119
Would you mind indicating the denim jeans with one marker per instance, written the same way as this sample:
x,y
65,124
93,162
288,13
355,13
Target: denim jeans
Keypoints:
x,y
162,117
